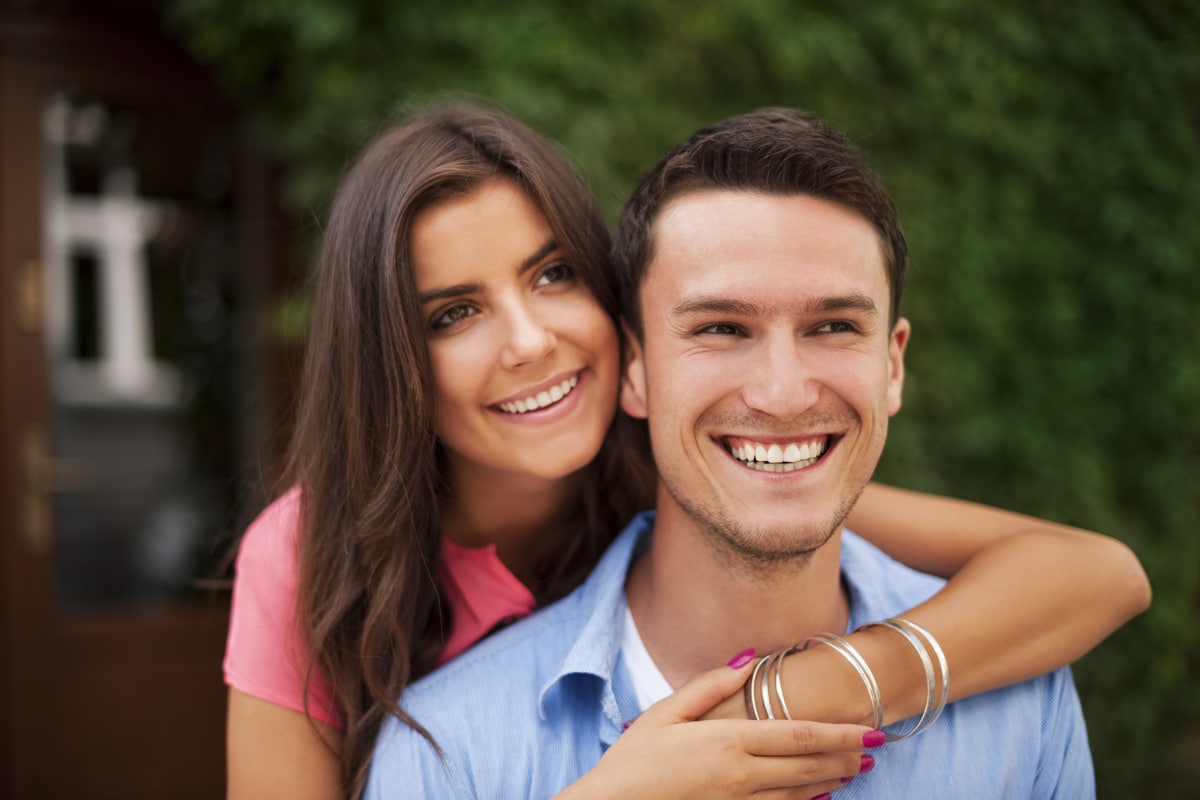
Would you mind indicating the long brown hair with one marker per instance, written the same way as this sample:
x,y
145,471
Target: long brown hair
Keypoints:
x,y
365,452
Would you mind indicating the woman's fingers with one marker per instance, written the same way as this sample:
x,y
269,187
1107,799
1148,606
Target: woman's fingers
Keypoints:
x,y
787,738
808,776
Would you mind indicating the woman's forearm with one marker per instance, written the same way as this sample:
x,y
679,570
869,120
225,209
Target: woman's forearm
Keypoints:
x,y
1025,597
1026,605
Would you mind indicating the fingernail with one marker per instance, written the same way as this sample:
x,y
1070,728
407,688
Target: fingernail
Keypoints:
x,y
742,658
866,762
826,796
625,726
846,780
874,738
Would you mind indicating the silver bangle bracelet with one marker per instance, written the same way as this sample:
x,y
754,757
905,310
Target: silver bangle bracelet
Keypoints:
x,y
779,681
751,700
938,654
768,709
848,651
920,647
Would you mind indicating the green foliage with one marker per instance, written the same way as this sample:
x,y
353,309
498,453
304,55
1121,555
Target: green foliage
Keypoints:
x,y
1046,161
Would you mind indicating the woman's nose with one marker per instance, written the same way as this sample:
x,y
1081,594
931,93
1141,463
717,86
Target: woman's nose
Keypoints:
x,y
529,338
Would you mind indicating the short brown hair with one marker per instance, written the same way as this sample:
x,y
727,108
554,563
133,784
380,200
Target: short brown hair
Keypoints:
x,y
783,151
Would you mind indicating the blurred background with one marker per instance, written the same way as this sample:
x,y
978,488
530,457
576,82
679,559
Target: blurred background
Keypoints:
x,y
164,168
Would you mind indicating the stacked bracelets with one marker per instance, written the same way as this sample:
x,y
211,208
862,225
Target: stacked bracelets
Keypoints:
x,y
768,673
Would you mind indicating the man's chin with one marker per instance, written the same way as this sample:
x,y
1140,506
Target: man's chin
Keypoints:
x,y
766,543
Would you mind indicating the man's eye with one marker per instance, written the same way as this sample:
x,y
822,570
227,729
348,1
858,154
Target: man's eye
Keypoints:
x,y
721,329
452,316
555,273
837,327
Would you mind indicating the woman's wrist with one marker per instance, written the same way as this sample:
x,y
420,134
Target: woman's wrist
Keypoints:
x,y
820,685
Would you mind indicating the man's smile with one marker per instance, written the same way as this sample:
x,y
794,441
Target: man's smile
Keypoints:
x,y
777,456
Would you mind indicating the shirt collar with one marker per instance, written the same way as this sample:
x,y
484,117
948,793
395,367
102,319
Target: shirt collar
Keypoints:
x,y
596,649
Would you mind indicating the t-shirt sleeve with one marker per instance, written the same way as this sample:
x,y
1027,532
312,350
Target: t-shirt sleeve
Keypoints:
x,y
1066,770
265,654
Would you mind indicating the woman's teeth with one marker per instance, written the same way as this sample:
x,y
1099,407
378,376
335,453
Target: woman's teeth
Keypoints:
x,y
542,399
779,458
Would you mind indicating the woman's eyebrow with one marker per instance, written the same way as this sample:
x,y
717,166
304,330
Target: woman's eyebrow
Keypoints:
x,y
536,258
458,290
463,289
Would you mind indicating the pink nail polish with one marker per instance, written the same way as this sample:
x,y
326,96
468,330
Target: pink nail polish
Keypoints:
x,y
846,780
826,796
866,762
742,658
874,738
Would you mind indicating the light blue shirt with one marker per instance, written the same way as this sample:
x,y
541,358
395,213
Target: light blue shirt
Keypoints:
x,y
531,709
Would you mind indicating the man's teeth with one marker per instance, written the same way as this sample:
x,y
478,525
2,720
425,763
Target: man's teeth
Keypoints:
x,y
542,399
776,458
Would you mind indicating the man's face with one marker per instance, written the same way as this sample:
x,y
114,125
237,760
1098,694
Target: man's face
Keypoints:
x,y
768,370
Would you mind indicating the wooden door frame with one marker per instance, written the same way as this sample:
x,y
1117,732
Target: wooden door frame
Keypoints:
x,y
38,54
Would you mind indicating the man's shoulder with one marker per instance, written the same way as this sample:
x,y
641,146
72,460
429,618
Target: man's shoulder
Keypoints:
x,y
516,660
462,703
528,689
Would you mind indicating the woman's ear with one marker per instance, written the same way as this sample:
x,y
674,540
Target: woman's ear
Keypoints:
x,y
633,382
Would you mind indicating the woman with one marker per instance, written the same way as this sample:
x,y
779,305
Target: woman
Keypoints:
x,y
460,462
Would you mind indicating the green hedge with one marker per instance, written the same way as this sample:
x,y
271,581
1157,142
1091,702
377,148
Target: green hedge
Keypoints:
x,y
1046,161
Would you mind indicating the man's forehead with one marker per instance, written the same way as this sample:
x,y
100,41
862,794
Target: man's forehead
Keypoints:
x,y
735,226
708,235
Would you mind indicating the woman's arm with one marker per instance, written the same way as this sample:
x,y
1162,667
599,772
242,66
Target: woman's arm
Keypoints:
x,y
274,752
1025,597
273,749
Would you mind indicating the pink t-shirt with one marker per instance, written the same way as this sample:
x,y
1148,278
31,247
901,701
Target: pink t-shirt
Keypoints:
x,y
265,655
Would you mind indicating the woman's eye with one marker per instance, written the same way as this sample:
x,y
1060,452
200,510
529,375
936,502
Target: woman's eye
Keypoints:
x,y
452,316
555,273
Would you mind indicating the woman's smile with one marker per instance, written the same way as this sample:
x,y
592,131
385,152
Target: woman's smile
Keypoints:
x,y
540,398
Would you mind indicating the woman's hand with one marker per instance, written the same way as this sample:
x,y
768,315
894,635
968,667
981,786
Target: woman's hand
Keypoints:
x,y
667,753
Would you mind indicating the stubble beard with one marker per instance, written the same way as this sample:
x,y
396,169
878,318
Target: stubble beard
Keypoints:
x,y
763,552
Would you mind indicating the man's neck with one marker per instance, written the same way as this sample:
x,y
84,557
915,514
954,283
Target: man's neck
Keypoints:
x,y
696,606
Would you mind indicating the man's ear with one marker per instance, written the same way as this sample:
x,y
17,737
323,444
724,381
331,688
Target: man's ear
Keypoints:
x,y
899,340
633,381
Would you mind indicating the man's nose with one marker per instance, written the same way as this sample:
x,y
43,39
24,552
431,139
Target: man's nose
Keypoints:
x,y
779,382
529,338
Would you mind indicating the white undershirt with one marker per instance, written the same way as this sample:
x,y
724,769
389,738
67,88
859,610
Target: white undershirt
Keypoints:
x,y
648,682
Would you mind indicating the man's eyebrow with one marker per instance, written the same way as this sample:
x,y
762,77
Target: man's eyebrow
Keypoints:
x,y
690,306
702,305
463,289
854,301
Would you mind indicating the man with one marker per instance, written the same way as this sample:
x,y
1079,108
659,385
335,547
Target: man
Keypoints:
x,y
762,267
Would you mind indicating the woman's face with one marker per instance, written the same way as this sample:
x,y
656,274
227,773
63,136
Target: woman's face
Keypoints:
x,y
526,361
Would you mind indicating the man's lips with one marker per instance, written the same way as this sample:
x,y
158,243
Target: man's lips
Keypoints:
x,y
784,455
